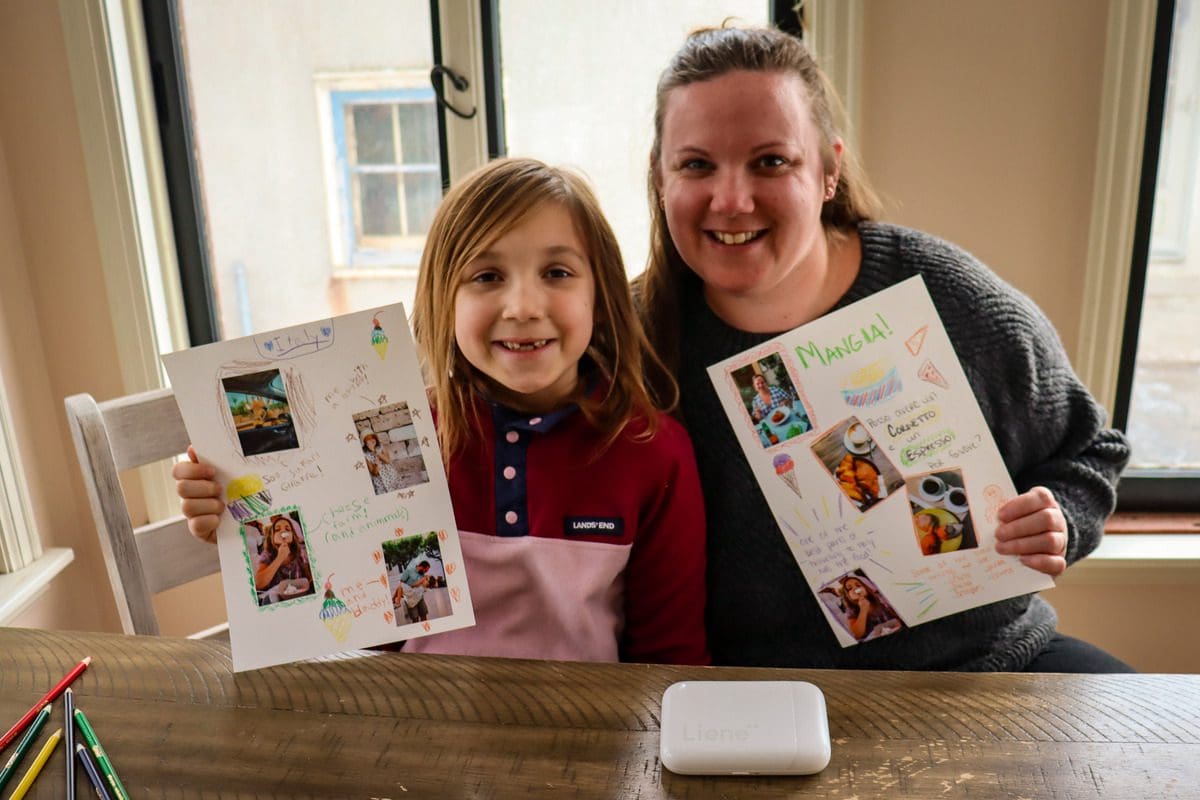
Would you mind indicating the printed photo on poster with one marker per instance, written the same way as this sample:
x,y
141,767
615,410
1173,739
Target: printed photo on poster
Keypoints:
x,y
258,403
278,557
940,512
858,605
416,578
862,470
771,399
391,451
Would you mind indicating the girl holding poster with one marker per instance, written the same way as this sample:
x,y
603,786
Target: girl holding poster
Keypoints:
x,y
582,522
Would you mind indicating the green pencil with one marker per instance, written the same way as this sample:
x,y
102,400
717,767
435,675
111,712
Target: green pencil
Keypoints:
x,y
23,746
106,767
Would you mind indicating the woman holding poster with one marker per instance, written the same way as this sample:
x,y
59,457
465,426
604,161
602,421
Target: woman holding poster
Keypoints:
x,y
763,221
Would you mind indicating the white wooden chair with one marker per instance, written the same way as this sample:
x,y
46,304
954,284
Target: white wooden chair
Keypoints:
x,y
121,434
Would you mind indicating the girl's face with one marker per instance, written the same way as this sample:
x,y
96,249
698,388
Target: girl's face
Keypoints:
x,y
523,312
281,533
370,442
743,182
855,590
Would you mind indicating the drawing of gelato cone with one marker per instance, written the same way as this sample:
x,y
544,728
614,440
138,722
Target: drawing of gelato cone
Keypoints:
x,y
786,469
248,491
379,339
335,614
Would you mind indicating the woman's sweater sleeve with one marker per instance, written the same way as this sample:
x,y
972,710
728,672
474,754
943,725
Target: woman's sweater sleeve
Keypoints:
x,y
1049,429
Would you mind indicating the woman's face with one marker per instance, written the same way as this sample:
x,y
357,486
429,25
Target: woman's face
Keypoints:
x,y
742,181
370,442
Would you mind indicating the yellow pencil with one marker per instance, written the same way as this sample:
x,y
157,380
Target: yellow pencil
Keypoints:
x,y
36,766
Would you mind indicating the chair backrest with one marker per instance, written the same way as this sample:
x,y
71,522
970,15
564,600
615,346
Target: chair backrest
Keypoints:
x,y
121,434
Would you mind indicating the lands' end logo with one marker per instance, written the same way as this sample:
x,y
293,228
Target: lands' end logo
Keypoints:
x,y
699,733
593,526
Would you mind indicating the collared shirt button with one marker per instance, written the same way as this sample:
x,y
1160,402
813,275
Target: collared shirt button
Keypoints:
x,y
511,518
512,437
510,473
535,421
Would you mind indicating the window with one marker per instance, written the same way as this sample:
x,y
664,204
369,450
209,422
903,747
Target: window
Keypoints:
x,y
1160,371
584,97
304,172
19,544
387,173
300,215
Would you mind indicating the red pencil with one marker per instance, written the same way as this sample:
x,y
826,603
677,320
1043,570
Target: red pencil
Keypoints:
x,y
58,689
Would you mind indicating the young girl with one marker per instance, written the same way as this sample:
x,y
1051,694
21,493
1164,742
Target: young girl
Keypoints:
x,y
578,500
384,477
283,560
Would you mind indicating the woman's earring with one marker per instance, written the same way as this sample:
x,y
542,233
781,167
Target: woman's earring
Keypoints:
x,y
830,188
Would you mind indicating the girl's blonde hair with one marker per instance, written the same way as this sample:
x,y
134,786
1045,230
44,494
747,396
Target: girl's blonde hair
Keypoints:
x,y
706,54
485,205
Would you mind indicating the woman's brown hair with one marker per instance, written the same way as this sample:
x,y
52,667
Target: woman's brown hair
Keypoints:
x,y
481,208
706,54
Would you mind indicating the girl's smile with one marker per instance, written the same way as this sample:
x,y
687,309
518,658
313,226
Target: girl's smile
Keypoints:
x,y
523,314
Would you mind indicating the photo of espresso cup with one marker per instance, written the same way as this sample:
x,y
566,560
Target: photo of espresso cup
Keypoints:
x,y
956,499
933,488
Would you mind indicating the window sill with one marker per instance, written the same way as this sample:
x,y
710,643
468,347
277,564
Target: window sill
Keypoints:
x,y
19,589
1143,548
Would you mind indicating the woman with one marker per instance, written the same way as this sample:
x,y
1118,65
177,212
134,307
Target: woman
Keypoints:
x,y
767,398
762,221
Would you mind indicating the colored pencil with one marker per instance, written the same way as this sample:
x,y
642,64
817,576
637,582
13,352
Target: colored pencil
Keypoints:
x,y
89,766
58,689
69,740
106,767
35,768
23,747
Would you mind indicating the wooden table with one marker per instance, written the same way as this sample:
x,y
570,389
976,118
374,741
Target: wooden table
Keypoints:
x,y
178,722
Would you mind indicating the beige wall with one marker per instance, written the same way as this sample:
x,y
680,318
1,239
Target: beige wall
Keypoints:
x,y
979,126
55,330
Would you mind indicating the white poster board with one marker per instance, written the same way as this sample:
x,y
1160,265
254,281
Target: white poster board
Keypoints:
x,y
329,541
877,463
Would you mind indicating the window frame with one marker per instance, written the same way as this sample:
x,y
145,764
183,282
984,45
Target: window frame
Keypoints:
x,y
352,253
464,38
1164,490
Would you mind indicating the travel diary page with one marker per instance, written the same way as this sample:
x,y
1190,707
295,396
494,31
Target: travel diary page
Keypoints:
x,y
877,463
338,531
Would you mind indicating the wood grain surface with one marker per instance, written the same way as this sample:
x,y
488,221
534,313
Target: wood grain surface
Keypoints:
x,y
177,722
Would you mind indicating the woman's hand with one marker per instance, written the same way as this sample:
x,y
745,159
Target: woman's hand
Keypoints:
x,y
202,504
1032,526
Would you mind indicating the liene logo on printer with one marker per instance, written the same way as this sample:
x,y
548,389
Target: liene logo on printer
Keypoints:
x,y
593,526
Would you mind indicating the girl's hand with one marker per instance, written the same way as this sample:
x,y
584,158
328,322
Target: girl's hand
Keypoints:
x,y
201,494
1033,527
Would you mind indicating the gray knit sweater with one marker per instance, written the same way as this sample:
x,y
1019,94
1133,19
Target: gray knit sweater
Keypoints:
x,y
1048,428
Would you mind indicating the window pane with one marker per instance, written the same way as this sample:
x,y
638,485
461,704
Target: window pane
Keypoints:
x,y
1164,417
422,193
380,205
418,133
274,133
578,89
374,135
